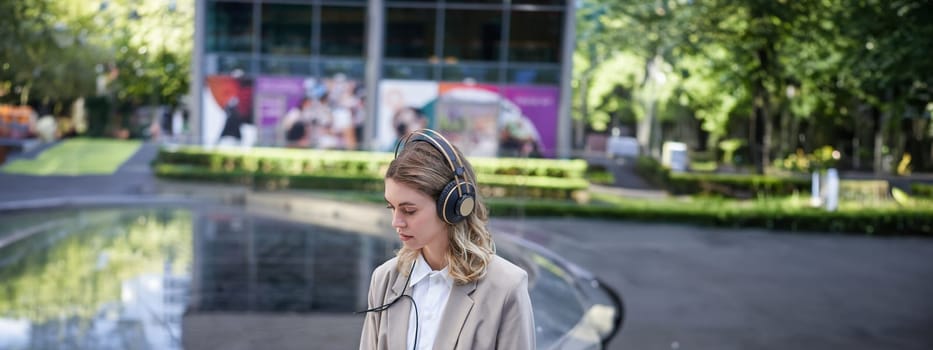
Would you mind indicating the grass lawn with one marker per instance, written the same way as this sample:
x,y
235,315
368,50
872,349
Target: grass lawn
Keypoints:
x,y
76,157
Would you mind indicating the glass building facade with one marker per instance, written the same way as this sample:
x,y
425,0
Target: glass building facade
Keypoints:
x,y
506,63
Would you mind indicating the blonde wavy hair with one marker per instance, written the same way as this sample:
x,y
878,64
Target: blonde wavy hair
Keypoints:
x,y
422,167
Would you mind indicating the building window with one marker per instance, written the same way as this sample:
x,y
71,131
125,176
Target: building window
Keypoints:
x,y
473,35
533,75
286,29
229,27
410,33
481,73
408,70
474,2
535,36
540,2
351,68
343,30
286,65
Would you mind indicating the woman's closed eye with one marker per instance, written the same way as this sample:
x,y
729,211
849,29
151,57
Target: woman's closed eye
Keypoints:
x,y
406,211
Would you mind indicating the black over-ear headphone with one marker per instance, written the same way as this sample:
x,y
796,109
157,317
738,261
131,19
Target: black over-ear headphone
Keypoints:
x,y
458,198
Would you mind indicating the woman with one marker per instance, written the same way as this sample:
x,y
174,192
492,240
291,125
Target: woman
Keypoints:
x,y
446,288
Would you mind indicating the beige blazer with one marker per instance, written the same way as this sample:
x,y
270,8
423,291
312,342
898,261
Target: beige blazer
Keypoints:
x,y
492,313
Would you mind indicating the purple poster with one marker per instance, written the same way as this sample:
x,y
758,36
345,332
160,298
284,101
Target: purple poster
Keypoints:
x,y
275,96
528,121
302,112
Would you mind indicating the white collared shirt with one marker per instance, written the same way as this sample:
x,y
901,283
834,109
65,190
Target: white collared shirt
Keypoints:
x,y
430,290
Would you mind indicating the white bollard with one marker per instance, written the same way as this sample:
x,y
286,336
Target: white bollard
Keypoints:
x,y
815,200
832,189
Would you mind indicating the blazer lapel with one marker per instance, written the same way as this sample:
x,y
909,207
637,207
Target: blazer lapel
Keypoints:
x,y
399,315
458,308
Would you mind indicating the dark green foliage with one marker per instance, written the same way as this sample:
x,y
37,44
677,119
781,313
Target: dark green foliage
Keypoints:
x,y
98,112
651,170
882,222
736,186
922,190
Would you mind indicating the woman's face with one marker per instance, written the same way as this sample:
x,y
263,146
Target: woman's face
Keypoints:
x,y
414,218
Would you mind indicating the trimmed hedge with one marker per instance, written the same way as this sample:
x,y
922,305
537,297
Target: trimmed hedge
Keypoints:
x,y
736,186
885,222
344,170
921,190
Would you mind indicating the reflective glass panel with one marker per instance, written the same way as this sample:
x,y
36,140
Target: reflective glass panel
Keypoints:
x,y
350,68
534,75
479,73
535,36
286,65
408,71
540,2
410,33
343,30
286,29
229,27
474,35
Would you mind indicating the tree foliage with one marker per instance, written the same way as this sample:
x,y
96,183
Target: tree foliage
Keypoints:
x,y
58,50
783,74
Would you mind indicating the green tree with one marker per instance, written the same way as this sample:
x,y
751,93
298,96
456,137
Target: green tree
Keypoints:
x,y
43,55
782,74
55,50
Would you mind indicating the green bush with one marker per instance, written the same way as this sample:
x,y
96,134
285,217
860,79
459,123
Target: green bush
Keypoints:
x,y
886,222
283,173
598,174
921,190
292,161
652,171
736,186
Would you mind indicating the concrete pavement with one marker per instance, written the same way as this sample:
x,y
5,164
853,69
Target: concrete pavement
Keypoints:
x,y
703,288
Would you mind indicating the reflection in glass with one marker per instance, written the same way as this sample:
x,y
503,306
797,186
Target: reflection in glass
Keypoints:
x,y
227,64
410,33
540,2
351,68
474,35
248,263
408,70
479,73
343,30
99,279
474,2
286,65
534,75
286,29
229,27
125,278
535,36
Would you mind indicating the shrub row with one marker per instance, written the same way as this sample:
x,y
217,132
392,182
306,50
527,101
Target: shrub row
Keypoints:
x,y
347,162
886,222
725,185
735,186
309,162
922,190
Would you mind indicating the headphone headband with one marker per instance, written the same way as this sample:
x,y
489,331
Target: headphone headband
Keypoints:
x,y
457,199
444,146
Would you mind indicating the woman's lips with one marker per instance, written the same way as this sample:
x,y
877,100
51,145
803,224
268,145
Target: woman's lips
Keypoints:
x,y
404,237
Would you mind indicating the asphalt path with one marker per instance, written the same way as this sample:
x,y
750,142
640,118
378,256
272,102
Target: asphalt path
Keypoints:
x,y
689,287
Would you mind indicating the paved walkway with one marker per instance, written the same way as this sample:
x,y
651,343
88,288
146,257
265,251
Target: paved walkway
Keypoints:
x,y
684,287
133,178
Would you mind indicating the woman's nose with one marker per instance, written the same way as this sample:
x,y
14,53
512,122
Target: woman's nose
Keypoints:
x,y
397,220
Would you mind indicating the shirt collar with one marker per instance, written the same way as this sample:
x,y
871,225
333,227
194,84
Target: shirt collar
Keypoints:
x,y
422,270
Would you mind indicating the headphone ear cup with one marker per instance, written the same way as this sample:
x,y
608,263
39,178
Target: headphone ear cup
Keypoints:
x,y
455,205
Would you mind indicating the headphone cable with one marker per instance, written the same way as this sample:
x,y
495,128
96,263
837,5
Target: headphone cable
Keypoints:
x,y
413,304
